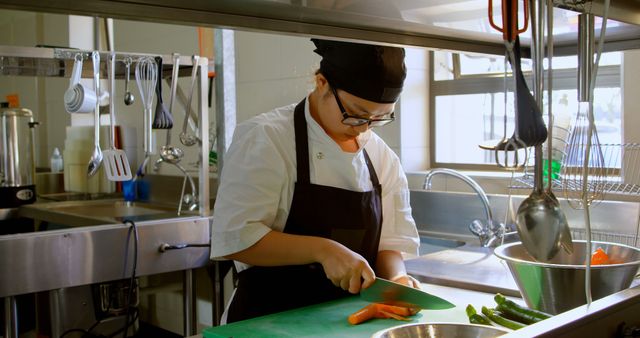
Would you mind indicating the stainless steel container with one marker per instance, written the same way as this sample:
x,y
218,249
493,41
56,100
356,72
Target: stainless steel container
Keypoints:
x,y
424,330
558,285
17,157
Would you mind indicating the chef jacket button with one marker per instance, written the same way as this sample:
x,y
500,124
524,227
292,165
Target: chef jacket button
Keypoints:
x,y
319,155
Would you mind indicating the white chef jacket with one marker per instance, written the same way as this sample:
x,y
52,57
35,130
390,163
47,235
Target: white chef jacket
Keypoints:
x,y
259,174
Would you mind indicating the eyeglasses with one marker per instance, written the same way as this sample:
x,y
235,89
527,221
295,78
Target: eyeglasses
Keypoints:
x,y
354,121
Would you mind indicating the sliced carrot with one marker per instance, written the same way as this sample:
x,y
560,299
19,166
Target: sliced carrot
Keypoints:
x,y
399,310
599,257
376,310
363,314
385,314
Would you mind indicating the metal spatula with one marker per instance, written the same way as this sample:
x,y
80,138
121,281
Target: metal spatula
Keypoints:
x,y
115,160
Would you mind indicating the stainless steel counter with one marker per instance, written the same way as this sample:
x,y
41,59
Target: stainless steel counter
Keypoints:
x,y
101,211
467,267
46,260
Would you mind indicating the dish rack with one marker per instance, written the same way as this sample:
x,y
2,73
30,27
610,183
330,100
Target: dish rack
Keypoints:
x,y
604,236
622,178
622,171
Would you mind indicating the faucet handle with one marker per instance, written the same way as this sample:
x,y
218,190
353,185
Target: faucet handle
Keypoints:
x,y
478,228
191,201
488,231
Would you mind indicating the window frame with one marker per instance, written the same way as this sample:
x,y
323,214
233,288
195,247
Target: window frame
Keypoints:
x,y
563,79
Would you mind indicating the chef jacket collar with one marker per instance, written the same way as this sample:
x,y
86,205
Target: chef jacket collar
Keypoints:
x,y
318,133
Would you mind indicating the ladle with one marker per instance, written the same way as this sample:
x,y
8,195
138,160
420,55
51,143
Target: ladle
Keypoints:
x,y
185,138
169,153
96,158
539,220
565,232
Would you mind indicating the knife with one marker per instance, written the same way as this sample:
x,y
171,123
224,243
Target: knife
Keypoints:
x,y
388,292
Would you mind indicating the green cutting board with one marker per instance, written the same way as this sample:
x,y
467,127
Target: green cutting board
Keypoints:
x,y
324,320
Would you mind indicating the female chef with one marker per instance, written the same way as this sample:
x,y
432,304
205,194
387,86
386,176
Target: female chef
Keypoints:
x,y
312,204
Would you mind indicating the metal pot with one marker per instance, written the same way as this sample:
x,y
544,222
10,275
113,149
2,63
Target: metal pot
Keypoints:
x,y
17,151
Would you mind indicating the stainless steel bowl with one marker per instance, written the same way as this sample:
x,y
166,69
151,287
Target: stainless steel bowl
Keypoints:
x,y
558,285
425,330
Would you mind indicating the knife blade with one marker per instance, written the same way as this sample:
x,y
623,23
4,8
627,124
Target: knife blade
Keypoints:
x,y
388,292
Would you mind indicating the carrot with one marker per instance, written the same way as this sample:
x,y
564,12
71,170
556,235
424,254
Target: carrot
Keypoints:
x,y
376,310
599,257
399,310
363,314
391,315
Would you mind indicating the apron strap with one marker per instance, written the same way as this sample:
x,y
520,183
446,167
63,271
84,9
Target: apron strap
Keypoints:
x,y
302,145
372,171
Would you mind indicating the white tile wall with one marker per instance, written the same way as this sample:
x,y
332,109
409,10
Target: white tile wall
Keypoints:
x,y
414,108
272,71
257,57
391,135
57,119
55,24
154,38
80,32
25,29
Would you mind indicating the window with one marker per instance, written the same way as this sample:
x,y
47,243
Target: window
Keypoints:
x,y
468,104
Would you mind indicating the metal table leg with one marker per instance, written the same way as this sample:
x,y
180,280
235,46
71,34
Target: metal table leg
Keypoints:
x,y
218,301
188,297
10,317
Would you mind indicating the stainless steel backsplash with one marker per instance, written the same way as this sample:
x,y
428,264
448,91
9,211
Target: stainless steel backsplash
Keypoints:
x,y
449,214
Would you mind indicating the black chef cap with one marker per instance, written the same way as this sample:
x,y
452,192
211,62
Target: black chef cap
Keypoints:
x,y
374,73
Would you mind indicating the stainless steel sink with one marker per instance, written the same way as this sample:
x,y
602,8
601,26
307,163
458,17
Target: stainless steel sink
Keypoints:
x,y
432,244
95,212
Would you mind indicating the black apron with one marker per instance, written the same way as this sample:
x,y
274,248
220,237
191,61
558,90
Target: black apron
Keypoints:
x,y
351,218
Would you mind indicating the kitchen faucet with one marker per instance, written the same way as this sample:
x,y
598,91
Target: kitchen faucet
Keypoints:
x,y
489,232
189,200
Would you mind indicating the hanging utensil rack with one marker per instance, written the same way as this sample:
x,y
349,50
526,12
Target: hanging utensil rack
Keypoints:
x,y
58,62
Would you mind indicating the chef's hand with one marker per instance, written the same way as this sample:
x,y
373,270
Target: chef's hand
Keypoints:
x,y
345,268
407,280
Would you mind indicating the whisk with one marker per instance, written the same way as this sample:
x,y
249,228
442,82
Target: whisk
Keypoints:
x,y
146,78
584,171
584,157
584,184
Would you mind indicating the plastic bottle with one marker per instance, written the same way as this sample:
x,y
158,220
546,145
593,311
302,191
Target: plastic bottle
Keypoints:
x,y
56,161
561,128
